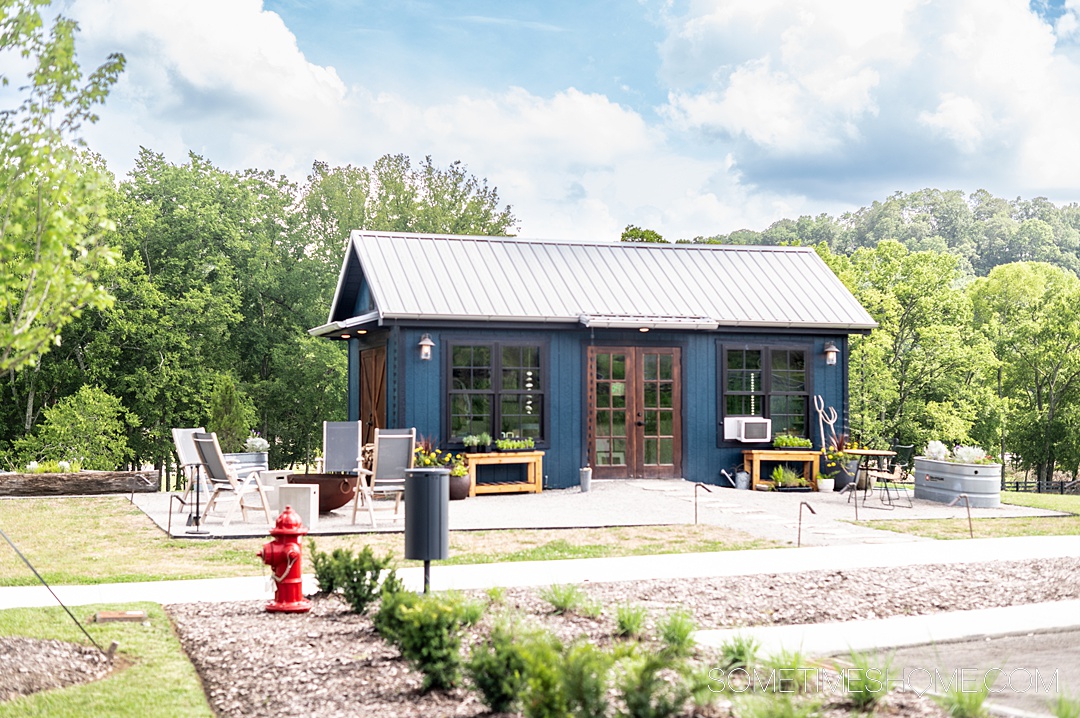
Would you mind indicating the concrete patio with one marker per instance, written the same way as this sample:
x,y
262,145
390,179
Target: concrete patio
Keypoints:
x,y
766,515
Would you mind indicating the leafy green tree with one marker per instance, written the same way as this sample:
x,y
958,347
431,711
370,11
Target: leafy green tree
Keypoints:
x,y
917,377
633,233
52,219
89,426
1030,312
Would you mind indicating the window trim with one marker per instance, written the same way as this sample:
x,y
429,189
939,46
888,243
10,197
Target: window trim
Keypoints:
x,y
496,346
766,348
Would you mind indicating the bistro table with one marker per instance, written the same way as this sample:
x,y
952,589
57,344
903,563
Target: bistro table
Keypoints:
x,y
865,455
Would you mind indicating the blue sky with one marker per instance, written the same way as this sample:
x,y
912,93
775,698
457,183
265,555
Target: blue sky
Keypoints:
x,y
691,117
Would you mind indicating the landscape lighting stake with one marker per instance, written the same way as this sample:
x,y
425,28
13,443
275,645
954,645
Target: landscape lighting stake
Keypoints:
x,y
701,485
971,530
801,504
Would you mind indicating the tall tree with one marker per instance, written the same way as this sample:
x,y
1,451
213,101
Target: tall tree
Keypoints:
x,y
1031,314
52,218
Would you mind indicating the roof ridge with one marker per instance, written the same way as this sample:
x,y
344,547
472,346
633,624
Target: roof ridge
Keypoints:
x,y
575,243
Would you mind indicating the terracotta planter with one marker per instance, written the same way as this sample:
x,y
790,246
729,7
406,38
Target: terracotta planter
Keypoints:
x,y
459,487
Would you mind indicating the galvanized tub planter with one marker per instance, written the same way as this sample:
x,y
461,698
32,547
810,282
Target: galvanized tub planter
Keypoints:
x,y
943,481
246,461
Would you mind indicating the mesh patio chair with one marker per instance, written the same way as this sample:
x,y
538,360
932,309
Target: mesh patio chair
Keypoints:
x,y
227,484
342,447
393,455
190,461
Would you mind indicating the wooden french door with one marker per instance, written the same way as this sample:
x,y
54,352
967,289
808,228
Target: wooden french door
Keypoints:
x,y
634,410
372,391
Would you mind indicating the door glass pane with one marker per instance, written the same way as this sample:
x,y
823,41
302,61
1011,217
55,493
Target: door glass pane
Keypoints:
x,y
666,396
618,423
618,367
650,395
667,451
651,423
667,423
650,452
603,452
618,452
603,367
650,367
667,364
603,395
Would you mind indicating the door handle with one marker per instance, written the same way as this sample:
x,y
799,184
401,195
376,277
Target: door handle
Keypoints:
x,y
640,423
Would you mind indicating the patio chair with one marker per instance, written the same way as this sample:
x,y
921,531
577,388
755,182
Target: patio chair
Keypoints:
x,y
895,481
190,461
342,447
227,484
393,455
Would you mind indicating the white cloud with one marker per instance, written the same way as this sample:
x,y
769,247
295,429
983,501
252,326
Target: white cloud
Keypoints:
x,y
229,82
833,82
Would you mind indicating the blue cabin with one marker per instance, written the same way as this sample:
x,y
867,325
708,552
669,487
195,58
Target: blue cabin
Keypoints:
x,y
638,360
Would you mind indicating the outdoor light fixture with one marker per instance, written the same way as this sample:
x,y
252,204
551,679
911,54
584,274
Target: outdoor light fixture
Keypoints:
x,y
643,330
345,336
426,345
831,352
361,331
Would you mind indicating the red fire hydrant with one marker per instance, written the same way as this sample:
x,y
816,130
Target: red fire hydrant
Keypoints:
x,y
283,554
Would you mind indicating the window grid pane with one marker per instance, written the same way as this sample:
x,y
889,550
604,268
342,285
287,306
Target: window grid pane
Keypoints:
x,y
496,389
770,382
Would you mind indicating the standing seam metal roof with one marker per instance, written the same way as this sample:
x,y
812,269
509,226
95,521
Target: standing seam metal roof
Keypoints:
x,y
440,277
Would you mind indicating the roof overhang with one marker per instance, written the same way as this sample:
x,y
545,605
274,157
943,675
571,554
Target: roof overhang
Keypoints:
x,y
347,328
621,321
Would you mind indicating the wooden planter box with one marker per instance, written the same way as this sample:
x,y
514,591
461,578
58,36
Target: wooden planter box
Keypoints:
x,y
945,480
80,484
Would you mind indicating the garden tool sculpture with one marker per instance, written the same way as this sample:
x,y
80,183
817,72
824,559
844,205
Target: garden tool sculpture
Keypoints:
x,y
825,418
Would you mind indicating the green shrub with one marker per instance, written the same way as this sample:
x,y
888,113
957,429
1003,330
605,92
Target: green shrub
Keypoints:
x,y
428,632
1065,707
677,633
470,610
544,695
570,599
629,621
89,426
867,682
357,576
781,706
497,667
232,414
960,703
496,595
738,652
585,676
647,693
388,618
789,672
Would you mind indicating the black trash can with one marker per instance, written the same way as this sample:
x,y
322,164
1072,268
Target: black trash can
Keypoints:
x,y
427,514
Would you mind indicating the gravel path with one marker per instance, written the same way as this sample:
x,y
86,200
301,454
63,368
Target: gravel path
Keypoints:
x,y
331,663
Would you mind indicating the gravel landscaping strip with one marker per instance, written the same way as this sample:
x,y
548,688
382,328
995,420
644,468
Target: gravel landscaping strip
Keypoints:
x,y
331,663
28,665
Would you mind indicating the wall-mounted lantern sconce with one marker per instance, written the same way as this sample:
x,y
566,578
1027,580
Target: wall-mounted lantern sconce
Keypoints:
x,y
426,345
831,352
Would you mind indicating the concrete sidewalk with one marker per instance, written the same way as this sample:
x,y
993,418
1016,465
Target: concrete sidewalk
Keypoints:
x,y
592,570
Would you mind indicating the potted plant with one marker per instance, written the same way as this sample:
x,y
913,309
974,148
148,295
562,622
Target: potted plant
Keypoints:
x,y
254,455
837,464
471,443
942,475
790,441
484,443
785,479
428,458
509,442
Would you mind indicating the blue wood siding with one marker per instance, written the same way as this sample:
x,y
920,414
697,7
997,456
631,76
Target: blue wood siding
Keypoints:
x,y
418,389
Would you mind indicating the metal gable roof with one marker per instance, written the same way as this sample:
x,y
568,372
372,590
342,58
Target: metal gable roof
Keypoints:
x,y
446,277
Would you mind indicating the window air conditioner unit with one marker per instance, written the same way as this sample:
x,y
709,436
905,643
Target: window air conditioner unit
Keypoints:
x,y
747,429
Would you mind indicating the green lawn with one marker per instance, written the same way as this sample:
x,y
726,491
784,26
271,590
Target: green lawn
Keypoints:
x,y
107,540
154,677
997,528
